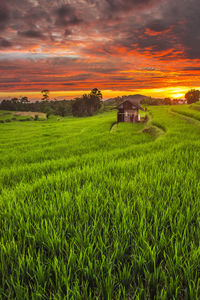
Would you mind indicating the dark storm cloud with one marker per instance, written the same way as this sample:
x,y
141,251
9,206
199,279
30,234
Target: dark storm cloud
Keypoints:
x,y
124,6
142,24
175,26
66,16
79,77
31,34
93,39
157,26
184,17
67,32
4,15
5,43
10,80
179,28
6,67
117,9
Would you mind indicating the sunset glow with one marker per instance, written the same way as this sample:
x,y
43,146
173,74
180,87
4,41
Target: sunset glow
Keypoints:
x,y
122,47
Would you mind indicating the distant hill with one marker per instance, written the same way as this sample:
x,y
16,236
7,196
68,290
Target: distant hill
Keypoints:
x,y
117,100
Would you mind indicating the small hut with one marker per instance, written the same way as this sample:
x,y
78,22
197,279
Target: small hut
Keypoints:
x,y
128,111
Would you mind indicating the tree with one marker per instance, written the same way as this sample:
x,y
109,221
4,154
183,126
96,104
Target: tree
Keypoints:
x,y
45,95
48,111
14,100
24,100
167,101
88,104
62,109
192,96
97,93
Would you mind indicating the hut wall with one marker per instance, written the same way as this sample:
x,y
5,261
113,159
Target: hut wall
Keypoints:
x,y
130,116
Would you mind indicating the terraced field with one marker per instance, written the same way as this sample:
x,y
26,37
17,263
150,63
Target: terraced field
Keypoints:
x,y
9,116
93,213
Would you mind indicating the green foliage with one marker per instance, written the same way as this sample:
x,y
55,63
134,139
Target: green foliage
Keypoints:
x,y
89,213
193,112
63,107
151,101
192,96
49,111
167,101
156,101
87,105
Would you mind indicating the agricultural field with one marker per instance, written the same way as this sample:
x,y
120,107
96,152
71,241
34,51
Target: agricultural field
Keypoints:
x,y
94,211
9,116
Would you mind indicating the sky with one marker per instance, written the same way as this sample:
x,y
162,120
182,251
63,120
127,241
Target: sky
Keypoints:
x,y
122,47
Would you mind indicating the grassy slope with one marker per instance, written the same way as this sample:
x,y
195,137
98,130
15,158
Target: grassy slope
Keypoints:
x,y
87,213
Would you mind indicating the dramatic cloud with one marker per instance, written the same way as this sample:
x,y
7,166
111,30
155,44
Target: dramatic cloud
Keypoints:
x,y
4,43
31,34
4,15
115,44
66,16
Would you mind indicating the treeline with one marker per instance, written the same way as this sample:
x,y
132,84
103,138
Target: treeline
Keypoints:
x,y
157,101
86,105
55,107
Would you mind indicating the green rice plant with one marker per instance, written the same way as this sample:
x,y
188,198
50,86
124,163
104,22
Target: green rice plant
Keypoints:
x,y
89,213
192,111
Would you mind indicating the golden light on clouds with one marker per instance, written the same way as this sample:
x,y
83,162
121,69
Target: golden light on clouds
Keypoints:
x,y
172,92
117,46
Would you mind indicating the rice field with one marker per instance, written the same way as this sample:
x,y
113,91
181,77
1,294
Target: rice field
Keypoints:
x,y
92,213
9,116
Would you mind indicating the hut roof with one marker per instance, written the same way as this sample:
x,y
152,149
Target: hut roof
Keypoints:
x,y
134,103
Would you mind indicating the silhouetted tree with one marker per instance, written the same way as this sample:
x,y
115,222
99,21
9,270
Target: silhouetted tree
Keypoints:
x,y
96,92
88,104
192,96
14,100
24,100
45,95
